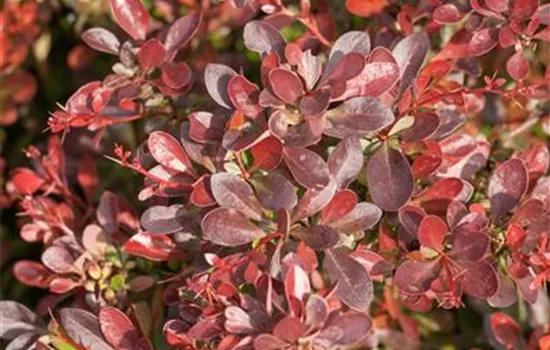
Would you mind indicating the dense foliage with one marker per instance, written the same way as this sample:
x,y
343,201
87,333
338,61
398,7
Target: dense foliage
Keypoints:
x,y
268,174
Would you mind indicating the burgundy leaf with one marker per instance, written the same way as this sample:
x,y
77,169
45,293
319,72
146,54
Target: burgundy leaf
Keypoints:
x,y
354,286
162,219
348,67
345,161
355,327
352,41
315,103
83,328
506,294
230,191
415,277
216,79
32,273
117,328
262,37
205,127
318,237
244,95
101,40
425,124
286,85
358,116
409,54
275,192
506,330
497,5
310,69
176,75
483,41
168,151
132,17
181,31
507,186
480,280
230,228
375,79
363,217
389,177
469,243
449,121
307,167
151,54
238,321
269,342
447,14
517,66
313,201
267,154
543,14
289,328
522,10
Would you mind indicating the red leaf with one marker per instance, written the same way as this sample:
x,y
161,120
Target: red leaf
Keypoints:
x,y
176,75
308,168
363,217
313,201
230,228
483,41
506,330
354,286
32,273
168,152
132,17
389,177
26,181
507,186
101,40
156,247
447,14
415,277
522,10
151,54
365,8
286,85
341,204
469,243
266,154
117,328
244,95
517,66
297,288
275,192
480,280
201,195
230,191
181,31
289,328
432,232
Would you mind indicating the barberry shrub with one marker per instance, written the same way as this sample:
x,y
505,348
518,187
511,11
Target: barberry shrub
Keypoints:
x,y
335,175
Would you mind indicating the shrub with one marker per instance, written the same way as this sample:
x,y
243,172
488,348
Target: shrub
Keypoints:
x,y
319,180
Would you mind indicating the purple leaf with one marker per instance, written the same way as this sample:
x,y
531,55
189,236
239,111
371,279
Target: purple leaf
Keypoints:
x,y
310,69
275,192
355,327
345,161
447,14
286,85
480,280
469,243
230,191
313,201
507,186
181,31
168,152
244,95
262,37
415,277
83,327
216,79
318,237
229,228
16,319
409,54
162,219
425,124
354,286
389,177
307,167
315,103
483,41
57,259
363,217
358,116
101,40
353,41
